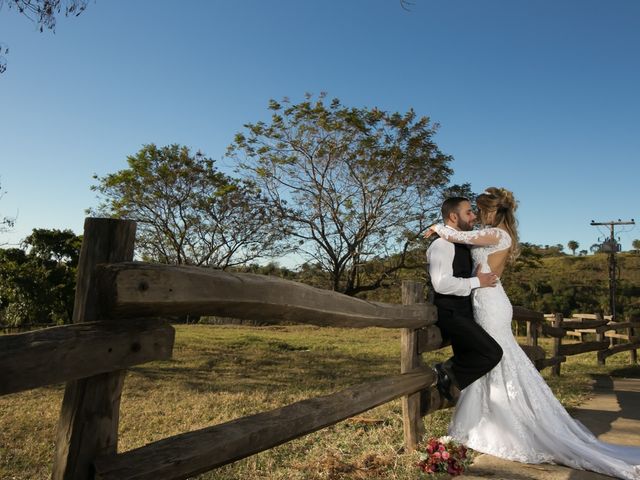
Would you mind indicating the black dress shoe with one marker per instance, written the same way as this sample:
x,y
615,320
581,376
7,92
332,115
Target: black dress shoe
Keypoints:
x,y
444,382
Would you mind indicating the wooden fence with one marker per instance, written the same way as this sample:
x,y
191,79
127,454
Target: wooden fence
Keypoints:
x,y
118,322
593,332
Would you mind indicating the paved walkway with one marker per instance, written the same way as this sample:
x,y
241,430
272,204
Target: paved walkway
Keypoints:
x,y
613,414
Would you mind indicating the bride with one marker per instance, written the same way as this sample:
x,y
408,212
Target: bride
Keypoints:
x,y
511,413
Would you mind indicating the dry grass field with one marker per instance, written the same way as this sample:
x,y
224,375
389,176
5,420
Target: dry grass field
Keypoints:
x,y
219,373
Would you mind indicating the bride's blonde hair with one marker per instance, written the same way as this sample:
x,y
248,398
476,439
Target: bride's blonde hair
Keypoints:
x,y
503,203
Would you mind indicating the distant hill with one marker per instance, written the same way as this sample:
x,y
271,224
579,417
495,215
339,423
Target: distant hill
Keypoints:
x,y
570,284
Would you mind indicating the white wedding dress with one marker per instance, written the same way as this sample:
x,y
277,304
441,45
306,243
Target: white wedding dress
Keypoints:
x,y
511,412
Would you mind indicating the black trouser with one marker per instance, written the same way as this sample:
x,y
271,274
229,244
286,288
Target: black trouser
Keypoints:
x,y
475,352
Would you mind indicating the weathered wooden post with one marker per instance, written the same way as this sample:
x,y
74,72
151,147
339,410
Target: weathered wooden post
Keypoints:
x,y
88,424
532,333
412,292
557,341
633,353
600,336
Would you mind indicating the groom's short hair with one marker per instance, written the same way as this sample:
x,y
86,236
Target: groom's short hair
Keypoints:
x,y
450,205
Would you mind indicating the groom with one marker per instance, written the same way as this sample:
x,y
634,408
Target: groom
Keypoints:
x,y
475,352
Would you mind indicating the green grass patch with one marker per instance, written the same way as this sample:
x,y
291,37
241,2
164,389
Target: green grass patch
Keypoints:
x,y
219,373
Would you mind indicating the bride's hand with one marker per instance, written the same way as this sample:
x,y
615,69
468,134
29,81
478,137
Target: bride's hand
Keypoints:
x,y
430,231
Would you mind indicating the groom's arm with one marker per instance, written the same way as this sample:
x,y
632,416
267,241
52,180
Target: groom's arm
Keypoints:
x,y
440,259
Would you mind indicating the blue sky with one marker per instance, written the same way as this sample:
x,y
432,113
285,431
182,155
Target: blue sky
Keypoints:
x,y
539,96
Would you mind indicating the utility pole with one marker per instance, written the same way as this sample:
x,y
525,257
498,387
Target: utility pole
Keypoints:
x,y
611,246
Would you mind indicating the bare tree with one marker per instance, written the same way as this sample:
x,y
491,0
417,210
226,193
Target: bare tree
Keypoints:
x,y
43,13
349,185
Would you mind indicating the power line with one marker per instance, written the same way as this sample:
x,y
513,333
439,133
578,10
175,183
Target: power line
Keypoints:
x,y
611,246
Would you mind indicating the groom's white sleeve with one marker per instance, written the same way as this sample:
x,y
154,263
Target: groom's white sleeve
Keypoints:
x,y
440,259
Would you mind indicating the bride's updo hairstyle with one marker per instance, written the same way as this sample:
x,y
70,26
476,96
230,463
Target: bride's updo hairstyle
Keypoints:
x,y
502,202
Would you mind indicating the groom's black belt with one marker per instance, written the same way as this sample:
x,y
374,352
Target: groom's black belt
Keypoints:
x,y
452,302
455,298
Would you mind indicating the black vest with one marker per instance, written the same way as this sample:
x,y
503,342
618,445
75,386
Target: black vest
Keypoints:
x,y
462,268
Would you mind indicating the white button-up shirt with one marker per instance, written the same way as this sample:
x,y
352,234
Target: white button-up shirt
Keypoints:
x,y
440,260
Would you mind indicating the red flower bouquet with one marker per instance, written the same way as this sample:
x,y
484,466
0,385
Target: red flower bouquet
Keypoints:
x,y
443,456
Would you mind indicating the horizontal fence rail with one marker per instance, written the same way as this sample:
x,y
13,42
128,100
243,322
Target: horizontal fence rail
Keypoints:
x,y
583,347
625,347
59,354
139,289
573,324
188,454
551,331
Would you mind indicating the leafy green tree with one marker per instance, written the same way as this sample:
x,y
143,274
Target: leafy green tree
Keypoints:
x,y
573,246
37,281
188,212
529,258
60,246
348,184
636,245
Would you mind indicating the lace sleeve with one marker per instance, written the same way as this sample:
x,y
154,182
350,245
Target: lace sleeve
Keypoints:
x,y
487,236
